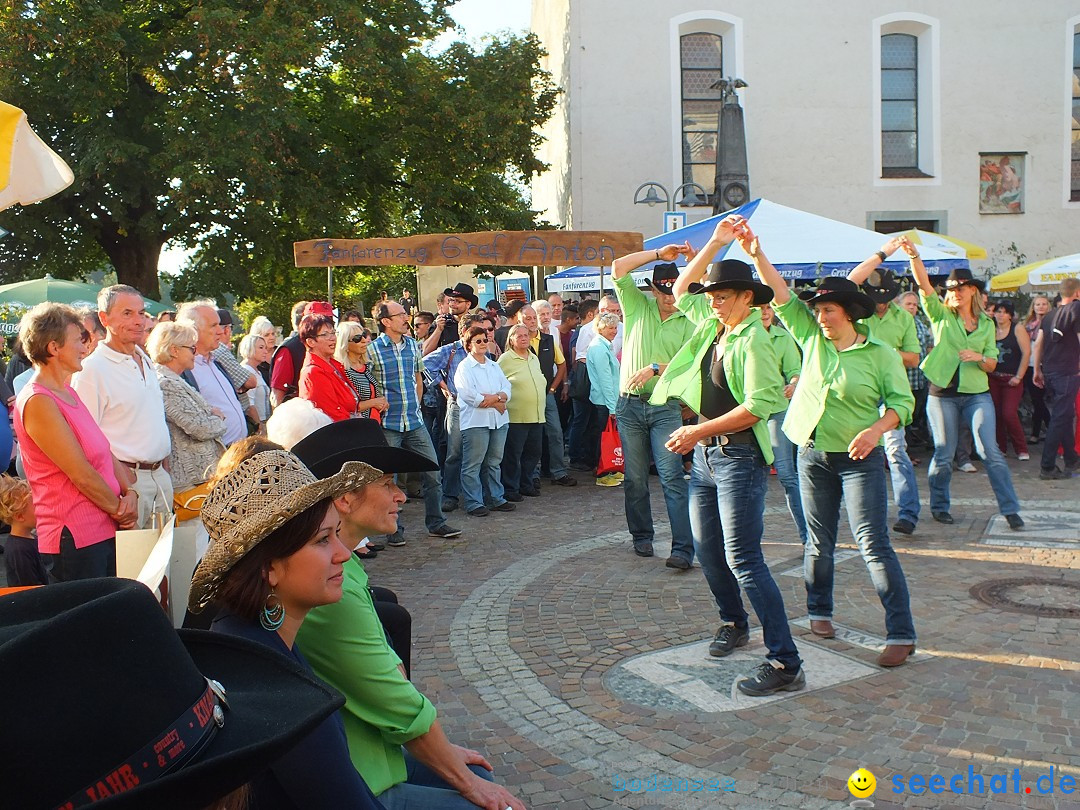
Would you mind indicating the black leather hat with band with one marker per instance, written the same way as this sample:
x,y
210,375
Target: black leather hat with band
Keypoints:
x,y
835,289
961,276
109,706
732,274
881,286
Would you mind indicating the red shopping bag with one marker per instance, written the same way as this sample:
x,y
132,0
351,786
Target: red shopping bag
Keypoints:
x,y
611,460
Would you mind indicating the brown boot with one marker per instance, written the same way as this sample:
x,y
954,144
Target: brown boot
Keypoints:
x,y
895,654
823,628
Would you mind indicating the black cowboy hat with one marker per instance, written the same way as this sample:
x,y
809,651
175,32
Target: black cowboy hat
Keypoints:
x,y
881,286
663,277
732,274
108,701
842,291
462,291
961,276
329,447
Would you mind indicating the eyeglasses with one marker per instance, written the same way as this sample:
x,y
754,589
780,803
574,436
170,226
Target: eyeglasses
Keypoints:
x,y
189,348
324,335
718,299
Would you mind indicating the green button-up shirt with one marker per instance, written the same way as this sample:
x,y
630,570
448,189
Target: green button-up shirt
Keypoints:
x,y
840,394
950,337
896,328
749,362
647,338
787,355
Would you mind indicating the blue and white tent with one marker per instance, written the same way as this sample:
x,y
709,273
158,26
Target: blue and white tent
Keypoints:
x,y
800,245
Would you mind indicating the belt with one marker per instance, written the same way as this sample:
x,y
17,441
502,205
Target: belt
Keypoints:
x,y
635,396
742,437
143,465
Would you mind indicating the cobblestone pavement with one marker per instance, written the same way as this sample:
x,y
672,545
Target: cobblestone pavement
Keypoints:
x,y
580,668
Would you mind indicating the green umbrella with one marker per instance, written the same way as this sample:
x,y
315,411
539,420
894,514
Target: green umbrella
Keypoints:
x,y
18,297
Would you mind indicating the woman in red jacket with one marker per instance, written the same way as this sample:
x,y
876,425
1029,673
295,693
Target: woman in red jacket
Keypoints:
x,y
322,379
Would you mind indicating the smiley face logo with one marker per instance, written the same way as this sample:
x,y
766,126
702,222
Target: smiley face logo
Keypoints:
x,y
862,784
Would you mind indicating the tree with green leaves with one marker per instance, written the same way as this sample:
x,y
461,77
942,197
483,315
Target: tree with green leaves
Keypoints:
x,y
240,127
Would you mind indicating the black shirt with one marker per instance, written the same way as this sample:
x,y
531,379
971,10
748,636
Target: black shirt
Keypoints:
x,y
1060,346
716,396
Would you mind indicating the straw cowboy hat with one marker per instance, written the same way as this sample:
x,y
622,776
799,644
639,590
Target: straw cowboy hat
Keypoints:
x,y
110,706
262,494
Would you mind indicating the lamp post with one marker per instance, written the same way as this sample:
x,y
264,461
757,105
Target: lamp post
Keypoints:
x,y
687,195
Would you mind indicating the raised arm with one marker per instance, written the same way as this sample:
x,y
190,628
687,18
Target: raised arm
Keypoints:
x,y
918,269
768,274
632,261
861,272
724,234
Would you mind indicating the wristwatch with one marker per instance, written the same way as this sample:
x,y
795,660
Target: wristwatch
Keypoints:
x,y
655,368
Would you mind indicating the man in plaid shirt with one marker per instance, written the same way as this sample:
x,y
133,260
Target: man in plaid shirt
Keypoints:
x,y
395,361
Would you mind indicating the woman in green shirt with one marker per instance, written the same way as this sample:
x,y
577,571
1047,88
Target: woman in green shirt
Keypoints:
x,y
727,374
836,419
964,353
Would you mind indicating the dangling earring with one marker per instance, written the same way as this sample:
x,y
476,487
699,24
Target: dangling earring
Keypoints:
x,y
273,613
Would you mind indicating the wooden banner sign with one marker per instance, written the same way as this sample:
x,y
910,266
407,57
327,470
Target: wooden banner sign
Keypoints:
x,y
508,248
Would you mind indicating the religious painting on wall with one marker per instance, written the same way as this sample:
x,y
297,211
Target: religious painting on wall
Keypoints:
x,y
1001,182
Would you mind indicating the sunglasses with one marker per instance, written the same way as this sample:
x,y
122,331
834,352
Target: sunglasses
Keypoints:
x,y
359,338
479,340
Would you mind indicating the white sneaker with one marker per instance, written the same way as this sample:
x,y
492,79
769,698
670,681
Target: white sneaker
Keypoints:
x,y
1023,456
968,468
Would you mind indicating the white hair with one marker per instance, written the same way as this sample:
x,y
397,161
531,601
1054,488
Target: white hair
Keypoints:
x,y
607,319
187,311
541,305
261,326
345,332
293,420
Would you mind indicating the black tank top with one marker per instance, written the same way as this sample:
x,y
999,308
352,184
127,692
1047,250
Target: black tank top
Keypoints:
x,y
716,396
1008,354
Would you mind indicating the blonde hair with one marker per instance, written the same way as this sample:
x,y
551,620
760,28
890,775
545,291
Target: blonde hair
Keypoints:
x,y
14,497
247,345
1031,309
345,332
166,335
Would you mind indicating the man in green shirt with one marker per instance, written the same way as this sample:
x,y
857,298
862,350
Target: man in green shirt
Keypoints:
x,y
895,327
654,330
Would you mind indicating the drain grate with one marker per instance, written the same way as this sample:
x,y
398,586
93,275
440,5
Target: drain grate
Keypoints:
x,y
1050,598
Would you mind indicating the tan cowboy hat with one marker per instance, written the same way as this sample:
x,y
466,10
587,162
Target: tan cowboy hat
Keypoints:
x,y
262,494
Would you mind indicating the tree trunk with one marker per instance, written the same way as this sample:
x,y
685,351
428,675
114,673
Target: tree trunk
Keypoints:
x,y
135,257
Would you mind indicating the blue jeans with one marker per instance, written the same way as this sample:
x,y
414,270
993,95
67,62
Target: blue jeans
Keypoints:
x,y
825,478
524,441
902,472
1060,398
423,789
727,507
946,414
418,440
643,429
553,435
785,459
482,454
451,471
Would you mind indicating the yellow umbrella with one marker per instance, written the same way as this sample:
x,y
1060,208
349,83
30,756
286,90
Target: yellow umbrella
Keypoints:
x,y
1047,273
946,244
29,170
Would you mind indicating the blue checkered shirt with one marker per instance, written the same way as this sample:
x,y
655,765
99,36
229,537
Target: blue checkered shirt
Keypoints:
x,y
395,366
442,364
926,342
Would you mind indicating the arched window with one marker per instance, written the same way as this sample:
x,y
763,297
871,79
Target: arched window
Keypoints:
x,y
701,65
900,106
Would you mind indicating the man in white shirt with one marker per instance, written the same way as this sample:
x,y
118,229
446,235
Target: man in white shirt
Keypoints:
x,y
209,379
120,388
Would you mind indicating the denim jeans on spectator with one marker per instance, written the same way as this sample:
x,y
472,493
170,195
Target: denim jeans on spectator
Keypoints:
x,y
553,437
825,479
727,506
902,472
1060,393
434,420
419,441
423,789
481,457
946,414
643,430
451,468
785,459
521,455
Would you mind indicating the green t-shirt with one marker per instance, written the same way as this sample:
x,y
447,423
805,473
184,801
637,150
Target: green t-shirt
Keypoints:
x,y
647,338
950,337
840,394
896,328
346,646
749,362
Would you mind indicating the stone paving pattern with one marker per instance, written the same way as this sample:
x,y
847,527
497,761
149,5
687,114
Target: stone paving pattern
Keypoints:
x,y
518,622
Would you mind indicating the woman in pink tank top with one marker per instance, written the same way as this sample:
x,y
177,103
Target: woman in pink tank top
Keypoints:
x,y
81,492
